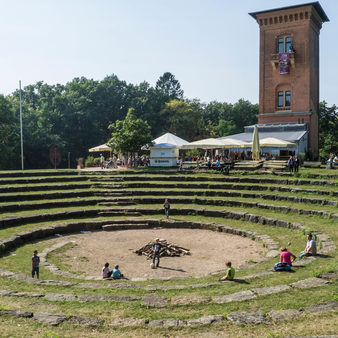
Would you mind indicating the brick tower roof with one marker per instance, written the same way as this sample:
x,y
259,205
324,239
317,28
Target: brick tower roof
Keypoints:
x,y
315,4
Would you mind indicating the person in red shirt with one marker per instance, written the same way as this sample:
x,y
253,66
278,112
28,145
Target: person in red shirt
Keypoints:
x,y
286,256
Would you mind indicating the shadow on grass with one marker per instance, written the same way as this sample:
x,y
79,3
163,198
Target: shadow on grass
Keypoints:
x,y
166,268
236,280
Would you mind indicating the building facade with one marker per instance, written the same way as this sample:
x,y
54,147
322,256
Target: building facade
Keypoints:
x,y
289,67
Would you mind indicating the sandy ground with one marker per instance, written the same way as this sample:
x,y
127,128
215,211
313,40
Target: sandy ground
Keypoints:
x,y
209,251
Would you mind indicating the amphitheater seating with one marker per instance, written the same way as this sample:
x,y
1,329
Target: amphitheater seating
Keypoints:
x,y
39,208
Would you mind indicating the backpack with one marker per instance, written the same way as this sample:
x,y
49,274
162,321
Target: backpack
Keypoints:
x,y
282,266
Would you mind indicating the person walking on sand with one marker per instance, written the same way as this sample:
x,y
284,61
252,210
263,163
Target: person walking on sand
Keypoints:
x,y
166,207
157,246
35,264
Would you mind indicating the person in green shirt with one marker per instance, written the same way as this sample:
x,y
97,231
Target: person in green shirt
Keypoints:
x,y
230,272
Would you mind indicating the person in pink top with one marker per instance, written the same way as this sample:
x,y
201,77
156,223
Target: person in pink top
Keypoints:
x,y
286,256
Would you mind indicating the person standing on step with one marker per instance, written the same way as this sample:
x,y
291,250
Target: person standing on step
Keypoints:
x,y
296,164
290,164
102,161
35,264
157,246
166,207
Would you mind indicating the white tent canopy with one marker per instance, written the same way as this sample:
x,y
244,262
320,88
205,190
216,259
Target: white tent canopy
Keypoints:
x,y
273,142
97,149
171,139
208,143
232,143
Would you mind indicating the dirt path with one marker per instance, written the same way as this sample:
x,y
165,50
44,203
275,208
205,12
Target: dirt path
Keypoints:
x,y
209,250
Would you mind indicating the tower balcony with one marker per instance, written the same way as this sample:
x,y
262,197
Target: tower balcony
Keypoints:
x,y
275,60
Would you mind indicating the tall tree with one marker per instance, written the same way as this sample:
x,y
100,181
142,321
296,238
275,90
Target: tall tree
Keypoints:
x,y
169,87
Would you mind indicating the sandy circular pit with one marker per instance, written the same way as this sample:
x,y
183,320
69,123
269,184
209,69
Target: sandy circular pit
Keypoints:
x,y
209,251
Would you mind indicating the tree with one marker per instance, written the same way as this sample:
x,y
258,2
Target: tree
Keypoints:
x,y
225,128
181,119
328,130
244,114
216,111
169,87
9,135
130,134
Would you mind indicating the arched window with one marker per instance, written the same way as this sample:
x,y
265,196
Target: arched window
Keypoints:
x,y
284,99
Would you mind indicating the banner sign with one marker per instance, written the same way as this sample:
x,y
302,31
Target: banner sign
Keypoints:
x,y
284,63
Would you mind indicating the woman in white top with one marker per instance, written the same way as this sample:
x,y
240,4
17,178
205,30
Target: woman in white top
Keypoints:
x,y
310,249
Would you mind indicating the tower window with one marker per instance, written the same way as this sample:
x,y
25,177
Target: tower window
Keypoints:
x,y
280,99
287,98
284,99
285,45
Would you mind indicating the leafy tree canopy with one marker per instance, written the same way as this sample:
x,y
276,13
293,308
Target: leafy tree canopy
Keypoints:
x,y
130,134
328,130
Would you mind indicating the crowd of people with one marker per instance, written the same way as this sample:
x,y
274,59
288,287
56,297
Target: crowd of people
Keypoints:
x,y
131,161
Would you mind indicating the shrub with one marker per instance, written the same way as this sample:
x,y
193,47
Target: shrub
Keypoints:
x,y
92,161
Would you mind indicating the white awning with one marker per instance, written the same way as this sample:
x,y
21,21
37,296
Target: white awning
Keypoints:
x,y
97,149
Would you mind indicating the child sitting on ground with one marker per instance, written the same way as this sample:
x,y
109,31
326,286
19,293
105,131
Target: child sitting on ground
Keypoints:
x,y
117,273
230,272
106,273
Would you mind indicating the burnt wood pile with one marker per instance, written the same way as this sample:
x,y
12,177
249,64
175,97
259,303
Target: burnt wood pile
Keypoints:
x,y
167,250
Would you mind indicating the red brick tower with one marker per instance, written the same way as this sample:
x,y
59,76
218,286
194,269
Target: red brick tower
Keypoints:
x,y
289,66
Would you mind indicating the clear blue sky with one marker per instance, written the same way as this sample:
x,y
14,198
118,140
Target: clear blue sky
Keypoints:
x,y
211,46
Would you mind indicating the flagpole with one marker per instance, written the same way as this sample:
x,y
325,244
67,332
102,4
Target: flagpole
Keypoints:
x,y
22,167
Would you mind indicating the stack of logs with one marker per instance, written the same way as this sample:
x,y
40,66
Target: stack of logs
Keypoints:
x,y
167,250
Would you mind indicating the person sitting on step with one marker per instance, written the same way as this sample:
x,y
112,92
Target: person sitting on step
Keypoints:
x,y
106,273
229,274
117,273
310,249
